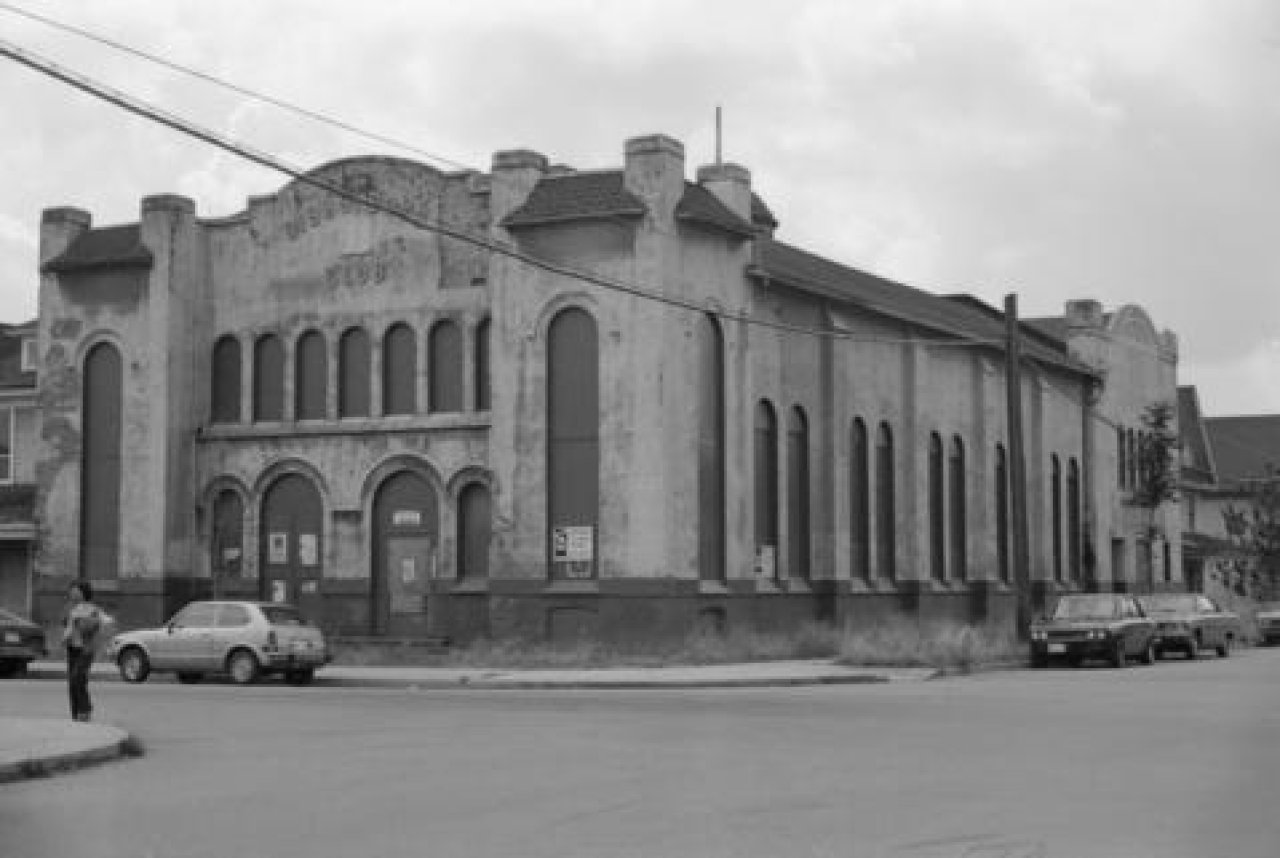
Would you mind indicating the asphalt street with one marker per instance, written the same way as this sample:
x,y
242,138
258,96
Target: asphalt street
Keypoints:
x,y
1180,759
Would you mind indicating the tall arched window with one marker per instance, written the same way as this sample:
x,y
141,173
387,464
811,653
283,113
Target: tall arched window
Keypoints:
x,y
1122,461
1055,490
859,502
444,391
1133,458
886,512
573,436
225,395
958,527
226,545
268,378
353,373
475,526
482,365
711,450
1074,535
399,370
798,523
1002,514
766,483
310,377
937,521
101,454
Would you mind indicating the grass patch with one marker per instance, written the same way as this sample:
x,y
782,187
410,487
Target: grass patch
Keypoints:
x,y
951,646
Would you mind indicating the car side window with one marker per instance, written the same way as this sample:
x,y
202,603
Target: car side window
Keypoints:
x,y
232,616
198,616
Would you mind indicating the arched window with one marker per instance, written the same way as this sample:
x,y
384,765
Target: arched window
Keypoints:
x,y
399,370
482,365
226,546
859,502
268,378
1002,514
886,524
475,526
353,373
798,524
711,450
444,391
937,522
1133,458
1074,535
959,513
101,454
766,484
225,395
310,377
1122,463
1055,491
573,436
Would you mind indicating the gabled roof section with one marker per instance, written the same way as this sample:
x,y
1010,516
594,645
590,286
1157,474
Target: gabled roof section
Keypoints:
x,y
11,374
1244,447
576,196
1197,459
965,316
111,247
700,206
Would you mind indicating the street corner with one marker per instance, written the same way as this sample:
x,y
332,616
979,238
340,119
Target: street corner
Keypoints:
x,y
39,747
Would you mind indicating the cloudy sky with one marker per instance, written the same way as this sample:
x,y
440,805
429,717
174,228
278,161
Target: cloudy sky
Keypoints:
x,y
1123,151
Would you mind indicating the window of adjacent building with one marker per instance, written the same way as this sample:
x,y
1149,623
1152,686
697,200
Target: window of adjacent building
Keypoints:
x,y
1002,514
482,365
798,525
1074,535
7,467
765,462
225,396
937,523
475,527
310,377
859,502
102,410
959,510
886,512
399,370
444,393
1055,523
573,438
30,354
353,373
268,378
711,450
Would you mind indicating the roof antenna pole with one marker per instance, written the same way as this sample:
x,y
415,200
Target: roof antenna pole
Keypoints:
x,y
717,135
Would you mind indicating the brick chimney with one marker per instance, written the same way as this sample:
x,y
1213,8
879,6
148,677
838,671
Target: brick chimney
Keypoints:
x,y
731,184
514,174
655,173
58,228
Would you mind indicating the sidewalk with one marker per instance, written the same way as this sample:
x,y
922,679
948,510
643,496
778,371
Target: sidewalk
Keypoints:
x,y
36,747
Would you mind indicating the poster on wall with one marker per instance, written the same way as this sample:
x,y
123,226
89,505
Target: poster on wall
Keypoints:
x,y
308,549
279,592
572,544
278,548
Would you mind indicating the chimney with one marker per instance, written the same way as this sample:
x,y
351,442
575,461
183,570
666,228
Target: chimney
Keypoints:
x,y
1084,313
655,173
731,184
59,227
514,174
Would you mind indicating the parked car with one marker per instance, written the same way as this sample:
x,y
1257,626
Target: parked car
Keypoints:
x,y
1111,626
21,641
243,639
1190,622
1268,620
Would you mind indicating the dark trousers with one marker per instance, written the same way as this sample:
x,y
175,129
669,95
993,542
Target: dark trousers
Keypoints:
x,y
79,660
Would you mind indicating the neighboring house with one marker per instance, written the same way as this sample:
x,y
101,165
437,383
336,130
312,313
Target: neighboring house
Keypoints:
x,y
412,433
18,427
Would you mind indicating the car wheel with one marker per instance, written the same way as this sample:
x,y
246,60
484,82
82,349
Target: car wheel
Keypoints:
x,y
1149,653
189,678
243,667
302,676
1118,654
10,668
1225,649
134,665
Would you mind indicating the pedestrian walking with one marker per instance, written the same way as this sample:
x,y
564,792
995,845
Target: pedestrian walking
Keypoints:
x,y
80,637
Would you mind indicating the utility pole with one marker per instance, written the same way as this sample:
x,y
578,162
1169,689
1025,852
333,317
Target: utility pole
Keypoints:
x,y
1018,465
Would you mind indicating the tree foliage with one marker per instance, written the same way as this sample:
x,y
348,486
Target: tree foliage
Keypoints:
x,y
1254,528
1156,455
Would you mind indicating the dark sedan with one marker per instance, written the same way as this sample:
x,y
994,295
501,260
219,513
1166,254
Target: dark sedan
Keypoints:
x,y
1190,622
21,641
1107,626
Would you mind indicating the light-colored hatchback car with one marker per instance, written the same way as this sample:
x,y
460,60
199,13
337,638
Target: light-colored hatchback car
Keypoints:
x,y
242,639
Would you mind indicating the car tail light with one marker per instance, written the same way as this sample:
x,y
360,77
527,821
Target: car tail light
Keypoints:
x,y
271,640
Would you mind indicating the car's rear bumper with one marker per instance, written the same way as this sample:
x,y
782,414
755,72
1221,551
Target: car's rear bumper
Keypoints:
x,y
1180,641
295,660
1073,648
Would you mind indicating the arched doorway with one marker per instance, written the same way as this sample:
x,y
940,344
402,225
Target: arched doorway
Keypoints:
x,y
292,544
406,539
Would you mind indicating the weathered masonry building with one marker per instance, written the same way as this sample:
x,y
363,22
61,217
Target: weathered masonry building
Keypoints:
x,y
652,417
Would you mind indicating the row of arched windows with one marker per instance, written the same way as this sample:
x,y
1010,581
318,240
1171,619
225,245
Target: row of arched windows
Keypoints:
x,y
766,491
388,368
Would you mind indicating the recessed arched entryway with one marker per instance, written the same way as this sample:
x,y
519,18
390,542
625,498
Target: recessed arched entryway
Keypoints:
x,y
292,544
406,552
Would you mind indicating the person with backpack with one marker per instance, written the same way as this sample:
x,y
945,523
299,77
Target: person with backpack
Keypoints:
x,y
80,637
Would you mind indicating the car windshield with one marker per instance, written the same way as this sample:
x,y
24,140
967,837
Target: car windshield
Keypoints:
x,y
1173,603
1086,608
278,615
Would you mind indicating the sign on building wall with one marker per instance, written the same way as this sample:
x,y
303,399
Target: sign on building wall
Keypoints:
x,y
308,549
278,548
573,544
766,561
406,518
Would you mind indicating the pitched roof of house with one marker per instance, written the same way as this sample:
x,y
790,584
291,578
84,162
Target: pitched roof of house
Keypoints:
x,y
1197,458
1245,446
11,374
964,316
106,247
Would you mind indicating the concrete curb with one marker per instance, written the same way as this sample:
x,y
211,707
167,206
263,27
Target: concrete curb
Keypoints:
x,y
45,748
601,684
